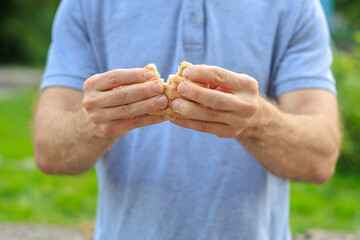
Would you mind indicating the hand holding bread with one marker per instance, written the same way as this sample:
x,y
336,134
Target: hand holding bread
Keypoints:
x,y
170,88
225,109
118,111
199,97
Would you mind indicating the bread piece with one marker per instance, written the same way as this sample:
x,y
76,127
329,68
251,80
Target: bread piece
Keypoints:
x,y
170,88
171,91
156,76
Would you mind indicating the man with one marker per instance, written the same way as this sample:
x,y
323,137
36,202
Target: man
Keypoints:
x,y
221,173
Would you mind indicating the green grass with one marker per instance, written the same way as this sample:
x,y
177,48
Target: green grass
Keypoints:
x,y
16,111
27,195
334,205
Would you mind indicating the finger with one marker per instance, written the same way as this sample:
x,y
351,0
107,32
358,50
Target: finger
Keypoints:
x,y
124,125
221,77
191,110
211,86
215,99
129,94
219,129
207,97
117,77
143,120
129,110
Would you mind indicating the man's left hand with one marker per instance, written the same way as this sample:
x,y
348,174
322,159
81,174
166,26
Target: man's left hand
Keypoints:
x,y
225,109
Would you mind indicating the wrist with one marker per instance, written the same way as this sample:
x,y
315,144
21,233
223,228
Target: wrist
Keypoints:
x,y
86,125
260,120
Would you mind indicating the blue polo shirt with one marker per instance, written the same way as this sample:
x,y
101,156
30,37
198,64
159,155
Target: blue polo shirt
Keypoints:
x,y
165,182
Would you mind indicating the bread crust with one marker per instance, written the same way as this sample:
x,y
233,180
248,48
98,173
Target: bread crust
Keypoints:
x,y
170,89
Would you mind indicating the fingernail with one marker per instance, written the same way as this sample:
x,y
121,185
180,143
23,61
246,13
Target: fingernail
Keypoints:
x,y
186,73
175,105
162,100
158,88
149,75
183,87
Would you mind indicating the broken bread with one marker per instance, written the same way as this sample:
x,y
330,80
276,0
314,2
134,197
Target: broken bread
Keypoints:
x,y
170,88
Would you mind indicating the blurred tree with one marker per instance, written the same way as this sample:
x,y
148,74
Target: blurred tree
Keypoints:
x,y
346,70
25,28
350,11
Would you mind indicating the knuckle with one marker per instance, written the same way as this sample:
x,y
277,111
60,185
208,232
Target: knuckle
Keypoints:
x,y
222,102
185,110
219,76
89,103
120,96
251,109
252,85
89,83
143,92
204,127
136,122
150,106
156,119
112,77
195,94
211,114
249,83
124,111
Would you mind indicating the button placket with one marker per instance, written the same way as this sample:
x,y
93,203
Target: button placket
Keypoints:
x,y
193,18
194,25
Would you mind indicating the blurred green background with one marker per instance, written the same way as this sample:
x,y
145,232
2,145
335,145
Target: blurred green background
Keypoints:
x,y
27,195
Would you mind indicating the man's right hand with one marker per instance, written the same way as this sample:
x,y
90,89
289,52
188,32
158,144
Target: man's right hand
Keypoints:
x,y
118,111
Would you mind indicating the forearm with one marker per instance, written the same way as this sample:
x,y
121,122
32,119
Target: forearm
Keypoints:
x,y
299,147
67,142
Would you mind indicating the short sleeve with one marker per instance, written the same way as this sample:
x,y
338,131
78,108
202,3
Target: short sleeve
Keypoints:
x,y
70,58
306,62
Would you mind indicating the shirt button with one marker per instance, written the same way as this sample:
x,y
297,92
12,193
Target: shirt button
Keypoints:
x,y
193,18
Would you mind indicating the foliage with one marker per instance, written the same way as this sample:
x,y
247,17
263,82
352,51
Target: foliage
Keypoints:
x,y
350,10
25,30
346,70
